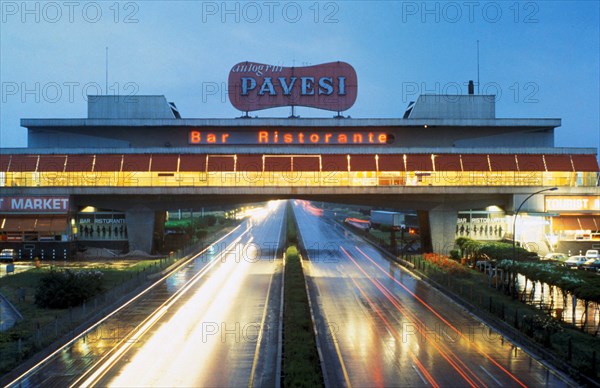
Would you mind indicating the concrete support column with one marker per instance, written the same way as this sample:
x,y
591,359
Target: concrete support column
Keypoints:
x,y
140,228
442,224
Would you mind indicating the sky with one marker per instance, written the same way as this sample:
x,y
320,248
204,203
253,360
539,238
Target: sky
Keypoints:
x,y
540,58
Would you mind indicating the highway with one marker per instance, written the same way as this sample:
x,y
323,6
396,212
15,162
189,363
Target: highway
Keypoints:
x,y
213,322
380,326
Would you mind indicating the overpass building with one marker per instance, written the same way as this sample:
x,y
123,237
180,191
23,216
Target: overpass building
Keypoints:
x,y
113,174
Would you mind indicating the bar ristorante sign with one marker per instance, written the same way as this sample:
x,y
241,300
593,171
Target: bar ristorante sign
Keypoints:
x,y
330,86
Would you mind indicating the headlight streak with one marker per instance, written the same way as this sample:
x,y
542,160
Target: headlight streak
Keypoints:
x,y
476,346
126,342
86,331
178,340
272,205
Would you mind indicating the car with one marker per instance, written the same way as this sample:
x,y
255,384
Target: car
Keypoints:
x,y
591,265
555,257
575,261
8,255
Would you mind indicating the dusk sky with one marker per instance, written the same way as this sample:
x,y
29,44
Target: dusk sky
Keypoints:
x,y
540,58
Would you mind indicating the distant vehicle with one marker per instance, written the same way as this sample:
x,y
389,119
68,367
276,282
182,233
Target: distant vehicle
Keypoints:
x,y
8,255
575,261
555,257
380,217
592,254
591,265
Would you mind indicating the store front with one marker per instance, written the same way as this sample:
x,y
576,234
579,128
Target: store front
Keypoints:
x,y
576,224
36,226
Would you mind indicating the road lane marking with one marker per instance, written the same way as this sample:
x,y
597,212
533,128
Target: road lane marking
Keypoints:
x,y
420,375
492,377
452,340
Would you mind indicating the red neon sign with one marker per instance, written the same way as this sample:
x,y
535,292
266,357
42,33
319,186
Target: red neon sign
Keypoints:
x,y
255,86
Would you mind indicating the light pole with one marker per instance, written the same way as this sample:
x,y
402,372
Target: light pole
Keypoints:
x,y
517,213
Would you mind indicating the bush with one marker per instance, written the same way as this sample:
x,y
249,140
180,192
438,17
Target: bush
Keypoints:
x,y
211,220
455,254
62,289
201,234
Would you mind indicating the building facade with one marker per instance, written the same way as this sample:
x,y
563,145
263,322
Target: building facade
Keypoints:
x,y
448,158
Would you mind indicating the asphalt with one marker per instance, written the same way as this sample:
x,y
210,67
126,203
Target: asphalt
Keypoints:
x,y
198,326
380,326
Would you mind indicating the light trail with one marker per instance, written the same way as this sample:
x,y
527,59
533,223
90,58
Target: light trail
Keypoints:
x,y
106,362
272,205
476,346
391,329
18,381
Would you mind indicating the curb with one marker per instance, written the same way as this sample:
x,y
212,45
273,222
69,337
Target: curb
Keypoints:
x,y
315,329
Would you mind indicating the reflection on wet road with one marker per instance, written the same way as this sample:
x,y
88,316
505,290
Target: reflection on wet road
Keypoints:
x,y
213,322
379,326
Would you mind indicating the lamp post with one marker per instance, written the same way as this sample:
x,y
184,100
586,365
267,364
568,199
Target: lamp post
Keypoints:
x,y
511,283
517,213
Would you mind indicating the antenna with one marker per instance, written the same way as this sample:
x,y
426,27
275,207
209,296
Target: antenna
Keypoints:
x,y
107,71
477,66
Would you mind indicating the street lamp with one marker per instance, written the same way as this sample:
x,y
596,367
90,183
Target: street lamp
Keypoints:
x,y
517,213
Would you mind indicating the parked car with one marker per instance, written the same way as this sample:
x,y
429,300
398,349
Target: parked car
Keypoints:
x,y
575,261
591,265
8,255
555,257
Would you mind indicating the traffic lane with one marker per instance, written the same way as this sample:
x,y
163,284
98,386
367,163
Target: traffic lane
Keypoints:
x,y
463,350
71,361
434,331
370,350
216,323
208,339
491,357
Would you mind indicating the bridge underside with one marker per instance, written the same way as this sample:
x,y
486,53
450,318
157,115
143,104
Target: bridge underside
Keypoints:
x,y
437,206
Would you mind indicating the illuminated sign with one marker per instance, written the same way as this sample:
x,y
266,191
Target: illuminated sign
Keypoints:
x,y
572,203
198,137
255,86
34,204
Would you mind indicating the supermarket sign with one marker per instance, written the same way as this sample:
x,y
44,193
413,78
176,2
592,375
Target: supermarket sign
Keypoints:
x,y
34,204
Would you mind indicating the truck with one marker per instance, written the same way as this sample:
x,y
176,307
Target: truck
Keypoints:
x,y
380,217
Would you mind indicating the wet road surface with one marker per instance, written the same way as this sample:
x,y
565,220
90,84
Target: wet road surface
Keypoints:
x,y
212,322
379,326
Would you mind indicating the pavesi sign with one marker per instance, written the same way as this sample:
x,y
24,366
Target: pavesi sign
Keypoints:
x,y
255,86
34,204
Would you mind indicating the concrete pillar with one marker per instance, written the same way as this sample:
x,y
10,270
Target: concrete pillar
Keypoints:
x,y
140,228
442,224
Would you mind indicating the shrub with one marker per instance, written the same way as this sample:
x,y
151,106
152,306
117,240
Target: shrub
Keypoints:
x,y
211,220
455,254
447,265
62,289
